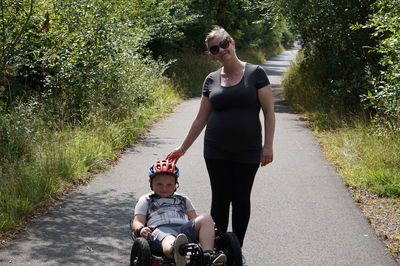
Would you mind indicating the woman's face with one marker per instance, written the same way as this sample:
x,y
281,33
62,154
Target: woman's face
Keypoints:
x,y
221,48
164,185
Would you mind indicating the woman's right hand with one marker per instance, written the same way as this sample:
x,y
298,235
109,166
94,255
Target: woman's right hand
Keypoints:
x,y
175,154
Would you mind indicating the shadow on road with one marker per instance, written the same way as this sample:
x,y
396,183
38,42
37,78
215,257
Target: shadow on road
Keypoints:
x,y
94,229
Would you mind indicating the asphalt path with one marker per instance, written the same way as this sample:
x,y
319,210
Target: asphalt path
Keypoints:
x,y
302,214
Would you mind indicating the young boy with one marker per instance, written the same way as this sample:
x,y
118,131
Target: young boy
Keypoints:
x,y
169,220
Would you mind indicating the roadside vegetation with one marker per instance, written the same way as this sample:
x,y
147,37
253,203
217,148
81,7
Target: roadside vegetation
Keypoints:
x,y
345,83
80,81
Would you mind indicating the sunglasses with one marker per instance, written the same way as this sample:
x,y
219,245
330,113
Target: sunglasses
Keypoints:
x,y
224,44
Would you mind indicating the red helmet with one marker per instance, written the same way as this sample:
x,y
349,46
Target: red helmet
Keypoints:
x,y
164,167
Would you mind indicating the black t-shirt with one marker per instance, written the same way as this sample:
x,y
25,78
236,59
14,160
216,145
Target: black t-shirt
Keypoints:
x,y
233,129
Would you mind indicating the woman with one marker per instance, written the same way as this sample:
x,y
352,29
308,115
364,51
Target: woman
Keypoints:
x,y
233,150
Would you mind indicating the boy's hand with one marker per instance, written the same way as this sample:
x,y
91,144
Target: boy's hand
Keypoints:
x,y
145,232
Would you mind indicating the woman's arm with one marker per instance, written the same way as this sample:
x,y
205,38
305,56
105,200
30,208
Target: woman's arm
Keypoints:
x,y
267,105
197,126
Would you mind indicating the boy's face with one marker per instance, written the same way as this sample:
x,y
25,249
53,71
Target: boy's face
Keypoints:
x,y
164,185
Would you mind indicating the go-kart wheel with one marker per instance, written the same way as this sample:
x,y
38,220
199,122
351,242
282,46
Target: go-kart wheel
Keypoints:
x,y
230,245
140,253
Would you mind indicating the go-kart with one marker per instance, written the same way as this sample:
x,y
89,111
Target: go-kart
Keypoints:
x,y
143,254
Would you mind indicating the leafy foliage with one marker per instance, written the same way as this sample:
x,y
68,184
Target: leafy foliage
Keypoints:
x,y
252,23
80,80
334,55
345,47
384,97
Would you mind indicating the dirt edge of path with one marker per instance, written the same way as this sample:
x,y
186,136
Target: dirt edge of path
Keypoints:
x,y
384,216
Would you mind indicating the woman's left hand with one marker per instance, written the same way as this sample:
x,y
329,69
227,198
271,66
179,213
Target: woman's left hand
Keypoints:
x,y
267,156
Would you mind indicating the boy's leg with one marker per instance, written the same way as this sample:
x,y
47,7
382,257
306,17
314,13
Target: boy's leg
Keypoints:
x,y
204,226
171,245
201,230
167,246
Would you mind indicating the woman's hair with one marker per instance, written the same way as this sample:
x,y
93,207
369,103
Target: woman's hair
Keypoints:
x,y
217,31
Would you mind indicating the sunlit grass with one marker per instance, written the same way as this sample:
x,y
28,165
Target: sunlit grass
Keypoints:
x,y
365,159
259,55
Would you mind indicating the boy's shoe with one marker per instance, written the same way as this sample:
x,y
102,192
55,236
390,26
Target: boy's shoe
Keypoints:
x,y
180,260
214,258
218,259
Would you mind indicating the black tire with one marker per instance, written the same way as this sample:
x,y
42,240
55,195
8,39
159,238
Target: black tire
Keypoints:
x,y
230,245
140,253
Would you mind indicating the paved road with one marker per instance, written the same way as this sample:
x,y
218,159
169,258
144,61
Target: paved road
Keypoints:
x,y
302,213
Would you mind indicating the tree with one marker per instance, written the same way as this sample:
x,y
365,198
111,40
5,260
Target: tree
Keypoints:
x,y
334,53
384,97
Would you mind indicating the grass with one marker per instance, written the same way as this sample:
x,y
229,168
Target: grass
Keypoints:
x,y
365,159
259,55
189,71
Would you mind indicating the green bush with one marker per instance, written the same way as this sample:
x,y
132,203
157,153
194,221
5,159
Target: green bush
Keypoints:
x,y
39,161
81,91
334,58
384,97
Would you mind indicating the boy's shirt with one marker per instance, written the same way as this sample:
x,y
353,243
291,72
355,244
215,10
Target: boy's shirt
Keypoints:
x,y
161,211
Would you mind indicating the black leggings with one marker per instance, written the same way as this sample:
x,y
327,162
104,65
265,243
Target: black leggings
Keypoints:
x,y
231,182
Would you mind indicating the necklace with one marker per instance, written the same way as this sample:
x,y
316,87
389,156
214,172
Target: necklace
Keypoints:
x,y
225,76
